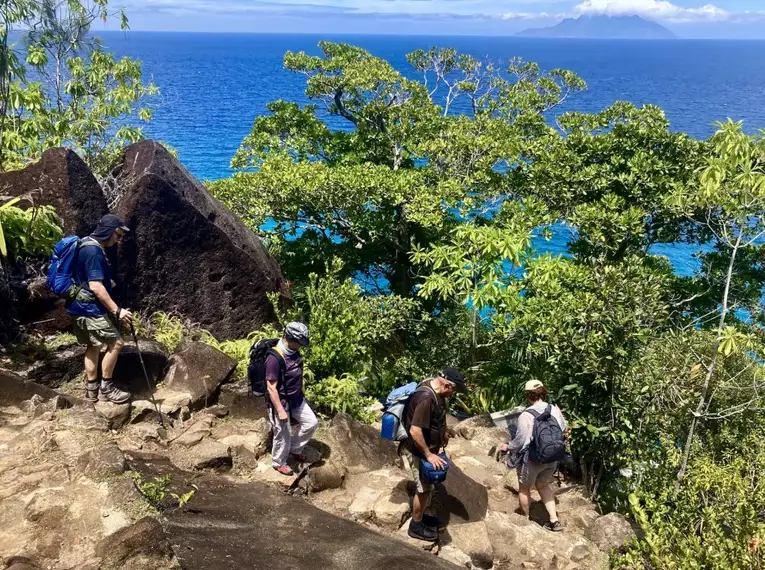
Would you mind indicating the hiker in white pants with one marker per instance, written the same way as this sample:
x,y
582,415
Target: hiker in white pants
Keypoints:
x,y
285,443
285,399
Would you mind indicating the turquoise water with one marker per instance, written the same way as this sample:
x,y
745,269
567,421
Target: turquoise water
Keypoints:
x,y
214,85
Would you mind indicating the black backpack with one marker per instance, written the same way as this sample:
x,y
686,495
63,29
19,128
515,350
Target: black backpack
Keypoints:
x,y
256,371
547,442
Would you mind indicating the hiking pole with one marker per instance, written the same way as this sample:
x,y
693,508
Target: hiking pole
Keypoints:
x,y
146,374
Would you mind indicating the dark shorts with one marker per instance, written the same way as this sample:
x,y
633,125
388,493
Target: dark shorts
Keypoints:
x,y
96,331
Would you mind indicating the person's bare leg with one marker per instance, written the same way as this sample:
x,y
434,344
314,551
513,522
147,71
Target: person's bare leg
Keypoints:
x,y
524,497
91,363
419,504
548,498
110,358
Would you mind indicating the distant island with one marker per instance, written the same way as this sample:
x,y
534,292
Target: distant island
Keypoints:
x,y
603,27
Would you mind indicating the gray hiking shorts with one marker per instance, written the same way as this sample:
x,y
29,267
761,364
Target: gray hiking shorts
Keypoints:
x,y
422,485
530,472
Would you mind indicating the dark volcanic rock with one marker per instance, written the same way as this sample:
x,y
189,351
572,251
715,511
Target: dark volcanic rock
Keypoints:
x,y
186,252
129,373
62,180
255,526
130,546
14,389
68,363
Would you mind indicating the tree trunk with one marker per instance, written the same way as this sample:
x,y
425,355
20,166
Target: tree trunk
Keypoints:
x,y
402,281
710,372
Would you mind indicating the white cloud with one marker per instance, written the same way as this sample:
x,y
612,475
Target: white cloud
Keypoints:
x,y
655,9
527,16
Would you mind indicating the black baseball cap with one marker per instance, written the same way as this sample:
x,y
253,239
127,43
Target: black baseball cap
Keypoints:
x,y
455,377
107,226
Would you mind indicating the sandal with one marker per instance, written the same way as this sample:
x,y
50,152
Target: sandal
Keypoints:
x,y
284,470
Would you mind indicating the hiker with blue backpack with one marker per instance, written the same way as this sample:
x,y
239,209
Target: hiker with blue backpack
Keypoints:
x,y
539,444
276,371
415,415
80,272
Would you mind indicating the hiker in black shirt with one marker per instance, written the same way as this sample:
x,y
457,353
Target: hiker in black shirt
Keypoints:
x,y
425,420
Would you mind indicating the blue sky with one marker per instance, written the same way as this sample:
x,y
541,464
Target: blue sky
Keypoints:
x,y
687,18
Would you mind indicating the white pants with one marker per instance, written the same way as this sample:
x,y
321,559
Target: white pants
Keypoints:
x,y
284,442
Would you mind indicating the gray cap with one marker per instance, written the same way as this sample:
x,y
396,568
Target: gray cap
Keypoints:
x,y
297,332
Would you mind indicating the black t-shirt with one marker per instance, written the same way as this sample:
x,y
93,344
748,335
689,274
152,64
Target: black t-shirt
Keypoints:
x,y
425,413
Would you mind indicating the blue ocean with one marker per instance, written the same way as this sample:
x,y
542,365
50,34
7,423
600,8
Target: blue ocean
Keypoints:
x,y
214,85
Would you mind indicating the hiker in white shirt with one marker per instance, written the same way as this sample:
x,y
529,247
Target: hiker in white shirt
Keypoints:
x,y
531,472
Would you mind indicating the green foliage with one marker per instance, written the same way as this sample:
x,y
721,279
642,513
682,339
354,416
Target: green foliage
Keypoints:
x,y
82,96
333,395
715,521
347,327
28,233
157,492
171,331
405,170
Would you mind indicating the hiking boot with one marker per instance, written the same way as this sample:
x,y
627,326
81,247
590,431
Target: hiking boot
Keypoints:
x,y
285,470
110,393
553,526
419,531
91,391
432,522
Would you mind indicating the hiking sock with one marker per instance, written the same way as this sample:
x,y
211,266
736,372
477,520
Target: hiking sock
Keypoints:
x,y
91,390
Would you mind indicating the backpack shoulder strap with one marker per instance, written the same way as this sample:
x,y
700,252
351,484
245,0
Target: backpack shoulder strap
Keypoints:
x,y
86,241
428,388
535,414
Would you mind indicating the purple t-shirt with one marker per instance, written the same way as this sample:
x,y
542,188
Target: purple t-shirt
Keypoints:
x,y
293,378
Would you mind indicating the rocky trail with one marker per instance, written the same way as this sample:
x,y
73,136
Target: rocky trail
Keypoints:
x,y
190,484
72,476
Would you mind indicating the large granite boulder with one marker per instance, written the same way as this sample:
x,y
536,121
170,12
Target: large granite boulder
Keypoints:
x,y
60,179
187,253
198,369
519,543
356,446
611,532
460,499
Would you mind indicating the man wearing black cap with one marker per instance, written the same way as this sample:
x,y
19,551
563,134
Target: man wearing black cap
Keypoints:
x,y
425,420
96,315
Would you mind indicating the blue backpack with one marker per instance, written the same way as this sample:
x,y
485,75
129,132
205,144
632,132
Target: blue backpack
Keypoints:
x,y
393,412
63,261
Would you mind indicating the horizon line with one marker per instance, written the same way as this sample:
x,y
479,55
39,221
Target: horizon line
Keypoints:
x,y
432,34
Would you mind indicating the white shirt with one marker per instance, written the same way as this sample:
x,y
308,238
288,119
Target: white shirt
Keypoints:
x,y
526,425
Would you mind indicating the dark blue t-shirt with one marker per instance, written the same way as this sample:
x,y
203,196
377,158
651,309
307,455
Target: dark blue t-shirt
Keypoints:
x,y
92,265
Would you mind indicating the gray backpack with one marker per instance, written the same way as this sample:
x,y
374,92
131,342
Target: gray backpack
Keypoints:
x,y
547,442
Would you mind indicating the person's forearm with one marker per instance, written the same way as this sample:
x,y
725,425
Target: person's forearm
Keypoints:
x,y
273,394
103,296
419,440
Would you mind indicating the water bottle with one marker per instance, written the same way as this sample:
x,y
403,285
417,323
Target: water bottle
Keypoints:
x,y
389,426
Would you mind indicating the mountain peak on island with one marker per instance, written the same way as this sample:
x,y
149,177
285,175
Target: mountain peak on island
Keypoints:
x,y
603,27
